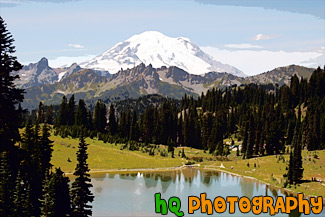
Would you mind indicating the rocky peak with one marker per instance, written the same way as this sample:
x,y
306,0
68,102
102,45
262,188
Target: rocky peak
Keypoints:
x,y
42,65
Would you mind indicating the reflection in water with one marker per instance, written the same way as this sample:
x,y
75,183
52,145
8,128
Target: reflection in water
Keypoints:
x,y
130,176
274,192
132,194
98,190
99,176
150,181
247,187
256,185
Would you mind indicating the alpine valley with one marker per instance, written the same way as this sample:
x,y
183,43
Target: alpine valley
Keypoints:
x,y
148,63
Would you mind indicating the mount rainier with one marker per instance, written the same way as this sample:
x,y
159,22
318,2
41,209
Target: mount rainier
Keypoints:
x,y
157,49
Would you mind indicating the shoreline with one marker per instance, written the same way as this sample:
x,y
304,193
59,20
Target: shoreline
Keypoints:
x,y
160,169
165,169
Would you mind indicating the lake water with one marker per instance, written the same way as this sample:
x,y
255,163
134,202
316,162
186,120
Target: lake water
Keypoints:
x,y
132,194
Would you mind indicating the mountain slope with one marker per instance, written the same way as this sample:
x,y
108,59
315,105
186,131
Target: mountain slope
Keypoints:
x,y
155,48
281,75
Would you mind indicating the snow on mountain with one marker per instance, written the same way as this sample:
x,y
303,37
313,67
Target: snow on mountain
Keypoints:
x,y
159,50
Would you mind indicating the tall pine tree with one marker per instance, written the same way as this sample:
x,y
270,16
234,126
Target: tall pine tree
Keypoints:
x,y
10,96
80,191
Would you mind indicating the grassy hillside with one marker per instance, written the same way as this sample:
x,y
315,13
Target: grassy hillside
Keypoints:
x,y
105,156
270,169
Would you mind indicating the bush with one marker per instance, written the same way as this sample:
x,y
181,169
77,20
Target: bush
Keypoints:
x,y
315,156
285,184
163,153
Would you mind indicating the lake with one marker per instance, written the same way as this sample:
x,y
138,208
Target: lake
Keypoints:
x,y
132,194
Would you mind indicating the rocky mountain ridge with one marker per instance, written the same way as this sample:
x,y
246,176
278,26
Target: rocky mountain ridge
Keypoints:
x,y
143,80
40,73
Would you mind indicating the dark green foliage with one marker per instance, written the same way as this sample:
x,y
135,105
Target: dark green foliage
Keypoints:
x,y
21,197
6,186
41,113
100,117
245,141
183,153
45,149
47,201
36,161
171,148
49,115
251,137
134,128
290,169
295,172
58,186
82,115
148,125
71,111
10,96
63,113
80,190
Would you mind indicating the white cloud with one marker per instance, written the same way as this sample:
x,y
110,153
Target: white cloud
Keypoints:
x,y
260,37
253,62
242,46
67,61
78,46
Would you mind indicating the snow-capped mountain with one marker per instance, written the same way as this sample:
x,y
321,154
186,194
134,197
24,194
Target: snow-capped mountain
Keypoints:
x,y
159,50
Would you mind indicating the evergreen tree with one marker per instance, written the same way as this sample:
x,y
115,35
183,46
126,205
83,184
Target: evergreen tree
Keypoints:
x,y
290,169
183,153
170,145
180,138
49,115
32,167
80,192
251,137
45,149
112,124
59,186
148,124
100,117
71,111
10,96
47,201
41,113
63,113
245,141
90,125
297,168
6,180
134,126
81,114
207,121
19,198
22,198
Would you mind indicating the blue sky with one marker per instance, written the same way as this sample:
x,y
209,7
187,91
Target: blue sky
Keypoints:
x,y
254,36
